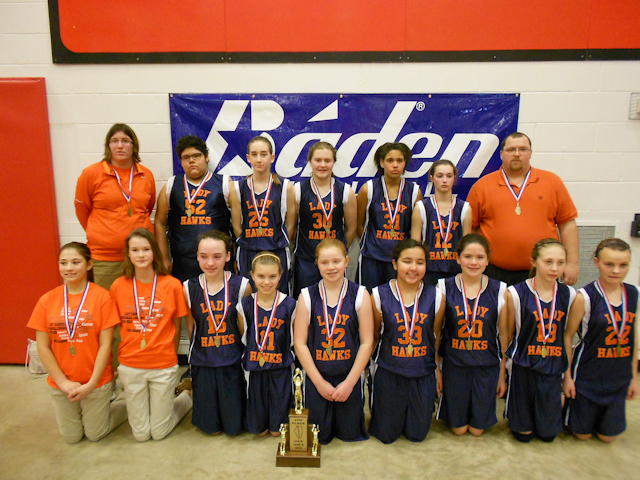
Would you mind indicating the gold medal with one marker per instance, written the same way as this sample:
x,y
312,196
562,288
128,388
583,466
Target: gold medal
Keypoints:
x,y
261,360
392,232
143,343
260,231
518,209
446,252
410,350
130,212
329,350
72,350
216,341
327,229
469,345
189,211
619,348
544,352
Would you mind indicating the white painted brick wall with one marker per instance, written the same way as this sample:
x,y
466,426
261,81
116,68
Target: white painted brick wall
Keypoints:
x,y
575,112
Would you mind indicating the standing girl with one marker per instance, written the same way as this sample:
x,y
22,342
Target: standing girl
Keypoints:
x,y
385,205
74,326
151,307
268,355
219,393
536,311
262,211
407,319
333,338
440,221
604,371
474,335
326,208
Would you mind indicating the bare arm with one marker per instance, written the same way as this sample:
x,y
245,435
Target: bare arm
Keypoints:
x,y
362,208
466,223
416,225
503,336
350,218
292,213
176,339
365,326
633,387
160,227
377,322
234,205
437,331
573,323
569,236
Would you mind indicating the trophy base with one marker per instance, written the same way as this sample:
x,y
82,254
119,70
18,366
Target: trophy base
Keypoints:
x,y
299,459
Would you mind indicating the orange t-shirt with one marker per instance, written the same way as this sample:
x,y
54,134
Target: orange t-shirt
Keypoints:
x,y
545,204
169,303
103,211
98,313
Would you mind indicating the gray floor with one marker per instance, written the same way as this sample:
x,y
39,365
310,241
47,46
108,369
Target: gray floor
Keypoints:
x,y
31,447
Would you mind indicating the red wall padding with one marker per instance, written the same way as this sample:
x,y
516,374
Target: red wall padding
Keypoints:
x,y
28,219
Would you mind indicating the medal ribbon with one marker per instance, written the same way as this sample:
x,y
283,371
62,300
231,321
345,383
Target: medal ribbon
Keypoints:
x,y
205,290
405,314
153,299
274,307
619,331
191,198
260,214
71,330
395,211
126,197
524,184
434,203
314,187
474,313
323,295
545,333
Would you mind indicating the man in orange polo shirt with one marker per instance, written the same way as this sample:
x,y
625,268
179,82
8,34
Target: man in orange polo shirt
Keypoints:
x,y
518,205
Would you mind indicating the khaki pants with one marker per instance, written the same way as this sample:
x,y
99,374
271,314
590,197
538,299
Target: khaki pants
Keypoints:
x,y
94,416
105,273
153,408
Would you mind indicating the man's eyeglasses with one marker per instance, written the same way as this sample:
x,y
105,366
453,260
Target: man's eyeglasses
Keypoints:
x,y
512,150
195,156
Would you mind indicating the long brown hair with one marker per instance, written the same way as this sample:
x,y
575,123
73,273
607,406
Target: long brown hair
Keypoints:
x,y
545,242
158,265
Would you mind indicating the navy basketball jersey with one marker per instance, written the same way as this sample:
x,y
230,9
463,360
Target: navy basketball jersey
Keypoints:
x,y
377,241
311,220
346,336
482,337
203,351
273,235
438,261
599,371
209,212
526,348
277,351
393,352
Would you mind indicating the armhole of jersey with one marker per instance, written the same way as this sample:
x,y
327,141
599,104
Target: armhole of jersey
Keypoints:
x,y
283,206
466,208
359,297
170,183
186,293
369,185
345,195
296,192
243,288
240,311
307,301
375,293
441,287
422,208
438,300
225,189
501,293
516,307
584,323
572,297
414,194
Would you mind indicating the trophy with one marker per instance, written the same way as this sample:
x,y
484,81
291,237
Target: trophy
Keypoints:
x,y
299,446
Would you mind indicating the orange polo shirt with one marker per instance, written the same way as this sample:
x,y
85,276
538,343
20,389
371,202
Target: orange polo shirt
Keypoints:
x,y
544,205
103,210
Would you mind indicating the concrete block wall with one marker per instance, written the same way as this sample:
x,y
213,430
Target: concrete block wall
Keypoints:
x,y
575,112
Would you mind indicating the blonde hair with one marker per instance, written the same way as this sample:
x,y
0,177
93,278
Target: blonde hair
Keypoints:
x,y
266,258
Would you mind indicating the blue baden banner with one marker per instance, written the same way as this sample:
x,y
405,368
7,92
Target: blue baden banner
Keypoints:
x,y
464,128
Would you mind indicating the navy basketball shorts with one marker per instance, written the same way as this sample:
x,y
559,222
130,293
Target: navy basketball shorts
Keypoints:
x,y
401,406
270,398
219,399
586,417
245,257
371,272
342,420
305,274
534,402
468,396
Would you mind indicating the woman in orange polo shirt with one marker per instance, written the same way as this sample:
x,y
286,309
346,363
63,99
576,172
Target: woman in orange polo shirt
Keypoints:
x,y
74,326
151,307
113,197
